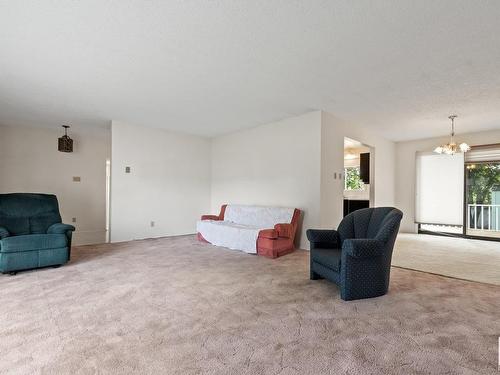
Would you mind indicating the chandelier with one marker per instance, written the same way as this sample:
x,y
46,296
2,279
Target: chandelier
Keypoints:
x,y
452,148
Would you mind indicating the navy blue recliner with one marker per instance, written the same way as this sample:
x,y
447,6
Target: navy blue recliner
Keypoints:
x,y
356,256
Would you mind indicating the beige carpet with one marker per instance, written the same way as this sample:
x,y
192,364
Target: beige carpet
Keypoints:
x,y
176,306
456,257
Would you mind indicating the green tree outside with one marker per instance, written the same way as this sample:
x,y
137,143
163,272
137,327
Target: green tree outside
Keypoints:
x,y
482,179
352,179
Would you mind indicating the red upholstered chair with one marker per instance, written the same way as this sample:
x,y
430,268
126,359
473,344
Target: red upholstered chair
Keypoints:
x,y
279,241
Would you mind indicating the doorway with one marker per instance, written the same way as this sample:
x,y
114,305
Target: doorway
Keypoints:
x,y
108,198
358,176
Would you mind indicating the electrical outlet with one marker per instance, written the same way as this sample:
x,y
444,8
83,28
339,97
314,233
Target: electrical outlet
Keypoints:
x,y
127,169
152,224
73,220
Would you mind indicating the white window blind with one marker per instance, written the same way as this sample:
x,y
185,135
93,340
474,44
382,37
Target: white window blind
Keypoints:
x,y
439,189
483,153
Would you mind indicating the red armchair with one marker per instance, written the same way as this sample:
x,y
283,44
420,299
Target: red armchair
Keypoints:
x,y
279,241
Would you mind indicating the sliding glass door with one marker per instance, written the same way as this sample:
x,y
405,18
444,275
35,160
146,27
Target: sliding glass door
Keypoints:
x,y
483,199
482,192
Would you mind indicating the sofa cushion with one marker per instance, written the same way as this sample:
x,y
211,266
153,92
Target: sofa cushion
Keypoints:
x,y
33,242
26,213
40,223
258,216
327,257
231,235
4,233
17,226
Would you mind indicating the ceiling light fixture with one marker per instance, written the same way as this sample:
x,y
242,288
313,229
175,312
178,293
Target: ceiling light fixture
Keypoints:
x,y
65,143
452,148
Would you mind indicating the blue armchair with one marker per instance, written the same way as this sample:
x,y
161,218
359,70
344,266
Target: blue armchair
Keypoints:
x,y
356,256
31,232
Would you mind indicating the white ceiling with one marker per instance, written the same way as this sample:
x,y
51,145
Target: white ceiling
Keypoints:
x,y
352,143
211,67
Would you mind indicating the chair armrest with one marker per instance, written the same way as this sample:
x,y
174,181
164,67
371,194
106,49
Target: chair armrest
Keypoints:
x,y
284,230
209,217
60,228
325,238
268,233
363,248
4,233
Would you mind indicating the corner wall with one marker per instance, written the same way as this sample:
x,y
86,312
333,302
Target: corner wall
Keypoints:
x,y
382,154
292,163
275,164
30,162
168,184
406,169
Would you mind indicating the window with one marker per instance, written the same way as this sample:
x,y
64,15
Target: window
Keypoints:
x,y
440,189
352,179
483,191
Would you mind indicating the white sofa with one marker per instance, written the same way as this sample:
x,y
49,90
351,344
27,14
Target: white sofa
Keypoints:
x,y
238,227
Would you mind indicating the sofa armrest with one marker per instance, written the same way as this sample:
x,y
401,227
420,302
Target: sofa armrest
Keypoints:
x,y
60,228
284,230
4,233
210,217
324,238
363,248
268,233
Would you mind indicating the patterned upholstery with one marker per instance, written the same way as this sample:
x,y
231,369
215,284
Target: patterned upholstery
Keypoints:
x,y
328,257
357,256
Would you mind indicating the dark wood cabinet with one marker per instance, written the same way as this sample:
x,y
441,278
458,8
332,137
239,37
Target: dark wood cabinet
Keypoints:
x,y
364,167
353,205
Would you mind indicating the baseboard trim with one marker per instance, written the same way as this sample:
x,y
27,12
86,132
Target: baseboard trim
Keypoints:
x,y
89,237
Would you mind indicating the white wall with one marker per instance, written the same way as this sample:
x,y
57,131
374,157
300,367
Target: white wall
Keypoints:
x,y
292,163
405,169
382,176
30,162
169,182
176,178
275,164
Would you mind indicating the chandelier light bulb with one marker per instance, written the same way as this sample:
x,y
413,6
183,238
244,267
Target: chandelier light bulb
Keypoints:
x,y
464,147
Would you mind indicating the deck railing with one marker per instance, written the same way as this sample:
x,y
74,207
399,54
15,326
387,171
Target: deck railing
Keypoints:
x,y
483,217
